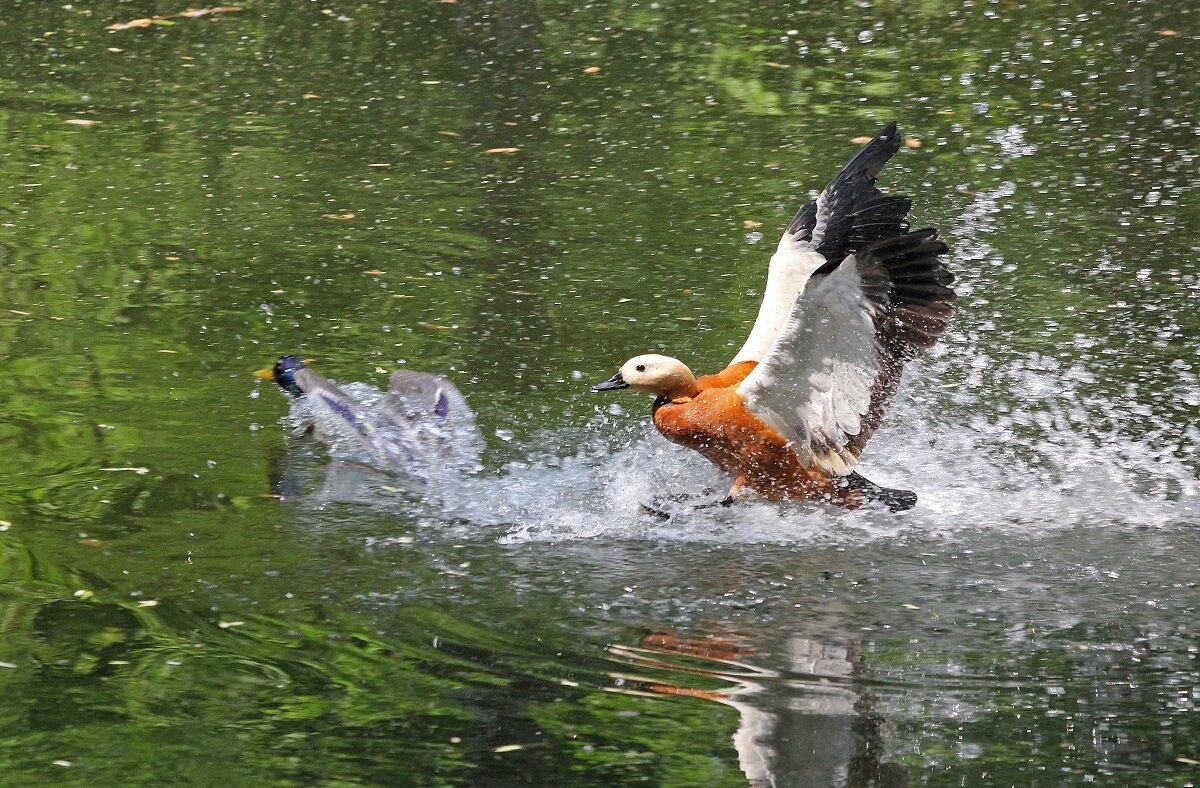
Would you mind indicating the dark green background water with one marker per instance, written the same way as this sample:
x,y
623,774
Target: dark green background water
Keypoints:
x,y
316,178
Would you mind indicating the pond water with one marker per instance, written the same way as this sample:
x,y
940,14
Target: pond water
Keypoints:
x,y
520,195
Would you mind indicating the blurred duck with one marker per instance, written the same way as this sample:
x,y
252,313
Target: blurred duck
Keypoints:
x,y
421,423
851,296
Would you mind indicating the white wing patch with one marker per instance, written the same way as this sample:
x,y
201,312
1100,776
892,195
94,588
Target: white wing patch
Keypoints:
x,y
791,266
814,384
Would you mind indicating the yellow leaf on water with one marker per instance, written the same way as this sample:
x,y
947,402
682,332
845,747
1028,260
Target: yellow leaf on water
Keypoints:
x,y
374,272
509,748
501,150
311,96
861,140
339,216
777,65
1167,33
435,326
910,142
592,70
144,22
449,133
750,224
85,122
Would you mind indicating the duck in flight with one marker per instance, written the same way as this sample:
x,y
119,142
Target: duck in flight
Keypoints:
x,y
851,297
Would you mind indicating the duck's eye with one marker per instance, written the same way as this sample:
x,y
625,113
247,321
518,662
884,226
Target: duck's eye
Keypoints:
x,y
640,367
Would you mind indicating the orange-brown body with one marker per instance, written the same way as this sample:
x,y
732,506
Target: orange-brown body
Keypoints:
x,y
714,421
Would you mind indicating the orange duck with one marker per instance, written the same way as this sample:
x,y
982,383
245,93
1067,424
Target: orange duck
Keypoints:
x,y
851,296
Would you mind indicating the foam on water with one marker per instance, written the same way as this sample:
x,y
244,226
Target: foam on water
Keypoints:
x,y
988,438
1039,468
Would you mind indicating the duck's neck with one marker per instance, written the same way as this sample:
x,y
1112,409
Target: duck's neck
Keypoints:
x,y
683,388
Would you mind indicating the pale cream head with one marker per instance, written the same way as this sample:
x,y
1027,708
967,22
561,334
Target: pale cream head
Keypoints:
x,y
653,374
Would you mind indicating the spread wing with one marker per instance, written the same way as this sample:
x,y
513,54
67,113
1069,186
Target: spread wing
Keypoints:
x,y
847,215
833,369
330,399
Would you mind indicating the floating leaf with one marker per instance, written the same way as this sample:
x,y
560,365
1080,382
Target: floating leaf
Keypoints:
x,y
339,216
145,22
164,19
509,748
436,327
592,70
502,150
911,142
85,122
861,140
750,224
375,272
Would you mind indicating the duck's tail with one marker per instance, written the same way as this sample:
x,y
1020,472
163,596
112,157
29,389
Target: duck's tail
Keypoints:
x,y
894,500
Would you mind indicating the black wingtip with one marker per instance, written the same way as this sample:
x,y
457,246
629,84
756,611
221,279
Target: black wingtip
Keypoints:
x,y
851,212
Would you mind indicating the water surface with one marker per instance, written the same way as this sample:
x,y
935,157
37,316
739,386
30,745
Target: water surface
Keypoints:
x,y
521,195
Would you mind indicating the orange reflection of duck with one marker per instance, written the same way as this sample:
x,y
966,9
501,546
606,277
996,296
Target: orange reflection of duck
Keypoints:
x,y
851,296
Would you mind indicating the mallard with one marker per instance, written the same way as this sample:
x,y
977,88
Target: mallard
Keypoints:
x,y
420,424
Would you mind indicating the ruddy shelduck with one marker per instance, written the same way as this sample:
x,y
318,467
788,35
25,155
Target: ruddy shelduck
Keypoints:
x,y
851,296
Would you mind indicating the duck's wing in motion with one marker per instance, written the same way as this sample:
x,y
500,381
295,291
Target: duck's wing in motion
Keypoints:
x,y
831,372
847,215
433,414
342,409
423,395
